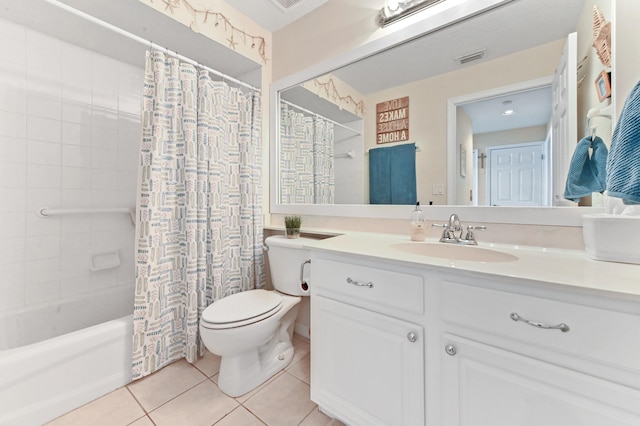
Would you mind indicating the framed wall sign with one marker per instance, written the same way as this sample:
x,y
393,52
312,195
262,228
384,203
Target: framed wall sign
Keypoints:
x,y
603,85
392,121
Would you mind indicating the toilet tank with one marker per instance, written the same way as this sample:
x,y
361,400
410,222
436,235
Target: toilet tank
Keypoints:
x,y
286,255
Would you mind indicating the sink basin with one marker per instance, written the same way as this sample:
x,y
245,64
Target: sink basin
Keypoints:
x,y
455,252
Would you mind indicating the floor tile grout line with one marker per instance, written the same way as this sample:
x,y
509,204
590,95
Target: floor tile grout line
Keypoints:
x,y
242,406
169,400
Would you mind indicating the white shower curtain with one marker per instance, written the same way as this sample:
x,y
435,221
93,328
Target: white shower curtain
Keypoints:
x,y
306,158
199,230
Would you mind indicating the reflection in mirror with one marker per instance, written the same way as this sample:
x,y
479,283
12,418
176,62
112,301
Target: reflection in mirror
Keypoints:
x,y
431,70
321,148
506,144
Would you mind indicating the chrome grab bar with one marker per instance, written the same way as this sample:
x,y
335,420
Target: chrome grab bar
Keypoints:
x,y
358,283
562,326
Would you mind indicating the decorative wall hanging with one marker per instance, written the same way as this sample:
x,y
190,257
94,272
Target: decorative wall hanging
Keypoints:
x,y
392,120
602,37
330,91
218,20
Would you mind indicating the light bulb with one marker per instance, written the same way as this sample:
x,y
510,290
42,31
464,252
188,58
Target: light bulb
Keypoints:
x,y
393,5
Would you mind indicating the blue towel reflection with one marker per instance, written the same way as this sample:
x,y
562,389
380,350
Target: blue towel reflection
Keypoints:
x,y
392,175
587,173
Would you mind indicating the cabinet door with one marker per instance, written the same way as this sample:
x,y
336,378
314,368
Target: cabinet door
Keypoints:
x,y
484,385
366,368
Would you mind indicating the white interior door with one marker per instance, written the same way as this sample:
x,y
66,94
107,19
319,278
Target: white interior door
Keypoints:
x,y
516,176
564,122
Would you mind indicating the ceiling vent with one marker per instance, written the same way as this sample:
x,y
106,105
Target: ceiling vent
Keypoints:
x,y
285,4
470,57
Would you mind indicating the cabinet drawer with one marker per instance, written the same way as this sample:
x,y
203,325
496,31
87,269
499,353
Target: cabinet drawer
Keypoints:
x,y
362,283
593,333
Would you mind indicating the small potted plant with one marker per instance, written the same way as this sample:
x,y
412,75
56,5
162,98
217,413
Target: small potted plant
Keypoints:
x,y
292,226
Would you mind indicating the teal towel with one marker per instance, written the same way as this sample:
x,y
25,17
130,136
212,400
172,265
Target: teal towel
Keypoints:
x,y
587,174
392,175
623,166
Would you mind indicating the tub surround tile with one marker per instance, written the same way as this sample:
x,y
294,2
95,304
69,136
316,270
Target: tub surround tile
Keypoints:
x,y
116,408
61,147
161,387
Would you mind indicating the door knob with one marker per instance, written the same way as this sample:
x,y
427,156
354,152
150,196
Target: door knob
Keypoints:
x,y
412,336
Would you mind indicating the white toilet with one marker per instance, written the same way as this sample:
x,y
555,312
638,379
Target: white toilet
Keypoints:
x,y
252,330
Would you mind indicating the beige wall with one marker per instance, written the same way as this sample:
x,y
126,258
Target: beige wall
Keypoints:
x,y
336,27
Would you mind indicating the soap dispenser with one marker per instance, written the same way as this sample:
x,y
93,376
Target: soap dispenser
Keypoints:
x,y
418,231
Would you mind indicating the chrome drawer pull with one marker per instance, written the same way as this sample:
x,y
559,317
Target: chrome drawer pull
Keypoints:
x,y
359,284
562,326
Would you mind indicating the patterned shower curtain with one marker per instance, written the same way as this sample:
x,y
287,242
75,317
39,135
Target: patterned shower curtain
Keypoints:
x,y
306,158
199,231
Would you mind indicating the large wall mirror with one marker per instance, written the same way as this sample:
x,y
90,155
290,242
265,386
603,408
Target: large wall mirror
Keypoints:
x,y
447,94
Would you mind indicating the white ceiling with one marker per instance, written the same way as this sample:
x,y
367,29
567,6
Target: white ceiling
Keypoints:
x,y
532,108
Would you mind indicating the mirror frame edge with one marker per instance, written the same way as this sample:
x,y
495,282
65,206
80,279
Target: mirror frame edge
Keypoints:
x,y
550,216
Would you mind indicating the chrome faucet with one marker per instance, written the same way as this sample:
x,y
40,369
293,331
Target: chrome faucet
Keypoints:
x,y
452,232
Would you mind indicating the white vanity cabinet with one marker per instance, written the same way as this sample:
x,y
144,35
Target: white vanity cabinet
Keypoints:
x,y
367,344
400,343
501,372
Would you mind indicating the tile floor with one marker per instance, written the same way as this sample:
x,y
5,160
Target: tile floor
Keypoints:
x,y
186,394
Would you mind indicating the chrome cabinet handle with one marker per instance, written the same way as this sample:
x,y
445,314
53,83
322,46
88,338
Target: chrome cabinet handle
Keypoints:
x,y
412,336
359,284
450,350
562,326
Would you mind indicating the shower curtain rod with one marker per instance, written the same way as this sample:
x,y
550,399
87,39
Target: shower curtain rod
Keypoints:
x,y
318,115
141,40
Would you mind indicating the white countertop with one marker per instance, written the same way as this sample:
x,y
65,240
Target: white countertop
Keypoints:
x,y
555,266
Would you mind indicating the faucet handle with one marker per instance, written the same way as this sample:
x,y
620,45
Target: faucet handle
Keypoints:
x,y
470,229
447,232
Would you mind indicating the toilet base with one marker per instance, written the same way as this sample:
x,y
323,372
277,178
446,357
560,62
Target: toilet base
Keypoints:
x,y
242,373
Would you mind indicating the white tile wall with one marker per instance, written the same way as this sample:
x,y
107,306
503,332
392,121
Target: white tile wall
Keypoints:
x,y
69,137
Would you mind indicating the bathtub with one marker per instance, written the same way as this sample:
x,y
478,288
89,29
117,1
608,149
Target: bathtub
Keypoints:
x,y
40,380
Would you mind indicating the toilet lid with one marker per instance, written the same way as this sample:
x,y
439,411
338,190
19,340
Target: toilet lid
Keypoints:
x,y
242,308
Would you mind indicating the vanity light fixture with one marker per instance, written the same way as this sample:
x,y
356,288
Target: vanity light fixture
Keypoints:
x,y
395,10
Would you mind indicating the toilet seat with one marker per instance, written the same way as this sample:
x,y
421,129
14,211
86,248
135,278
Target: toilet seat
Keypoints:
x,y
241,309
